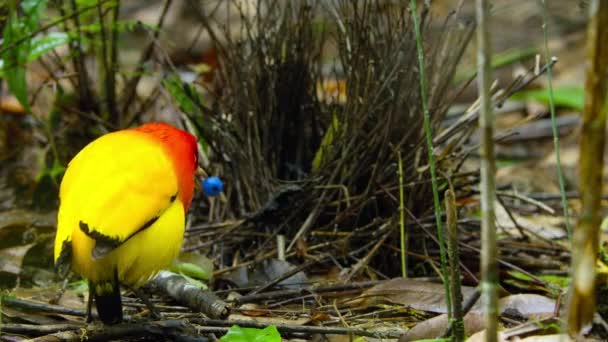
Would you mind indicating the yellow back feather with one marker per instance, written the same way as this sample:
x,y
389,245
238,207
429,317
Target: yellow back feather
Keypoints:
x,y
117,185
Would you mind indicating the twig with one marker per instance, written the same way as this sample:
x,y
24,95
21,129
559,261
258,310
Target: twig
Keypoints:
x,y
38,329
402,229
115,115
289,328
299,292
41,307
558,166
85,96
489,253
131,85
178,288
581,302
365,260
48,26
289,273
454,255
431,155
512,218
174,330
527,199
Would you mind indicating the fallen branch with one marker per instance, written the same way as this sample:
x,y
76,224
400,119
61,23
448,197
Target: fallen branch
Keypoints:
x,y
180,289
289,328
253,298
41,307
174,330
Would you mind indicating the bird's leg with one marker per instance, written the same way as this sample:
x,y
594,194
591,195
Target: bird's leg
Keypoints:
x,y
89,316
146,300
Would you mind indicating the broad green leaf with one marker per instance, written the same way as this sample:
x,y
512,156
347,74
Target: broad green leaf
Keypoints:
x,y
15,57
44,44
570,97
238,334
41,45
33,7
193,265
32,10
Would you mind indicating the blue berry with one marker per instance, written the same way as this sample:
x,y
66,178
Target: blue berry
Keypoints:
x,y
212,186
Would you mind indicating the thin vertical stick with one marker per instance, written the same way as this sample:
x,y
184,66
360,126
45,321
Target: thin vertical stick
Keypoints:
x,y
431,156
113,67
451,220
581,304
560,175
404,235
489,253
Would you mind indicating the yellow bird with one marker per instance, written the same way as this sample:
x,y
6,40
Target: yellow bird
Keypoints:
x,y
123,201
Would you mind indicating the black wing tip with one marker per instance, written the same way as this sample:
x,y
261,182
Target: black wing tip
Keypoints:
x,y
103,244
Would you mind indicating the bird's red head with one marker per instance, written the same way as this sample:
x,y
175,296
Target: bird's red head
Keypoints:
x,y
183,149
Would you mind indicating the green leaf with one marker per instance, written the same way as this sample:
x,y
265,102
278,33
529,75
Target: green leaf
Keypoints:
x,y
326,143
15,57
121,26
86,3
19,49
40,46
187,98
43,44
80,287
193,265
570,97
32,10
184,94
238,334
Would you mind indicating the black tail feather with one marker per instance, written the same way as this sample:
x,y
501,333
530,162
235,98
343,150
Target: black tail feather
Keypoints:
x,y
108,302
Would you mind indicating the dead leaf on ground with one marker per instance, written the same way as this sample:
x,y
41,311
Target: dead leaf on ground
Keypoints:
x,y
437,326
521,306
419,295
548,227
528,306
266,272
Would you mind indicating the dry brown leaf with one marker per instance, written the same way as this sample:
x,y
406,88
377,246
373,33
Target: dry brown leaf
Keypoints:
x,y
12,258
419,295
436,326
527,305
549,227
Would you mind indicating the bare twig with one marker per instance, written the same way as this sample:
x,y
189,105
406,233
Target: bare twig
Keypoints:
x,y
289,328
581,302
454,257
41,307
431,155
489,253
189,295
131,84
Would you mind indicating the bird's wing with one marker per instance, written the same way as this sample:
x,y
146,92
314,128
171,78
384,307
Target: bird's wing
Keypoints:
x,y
116,187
